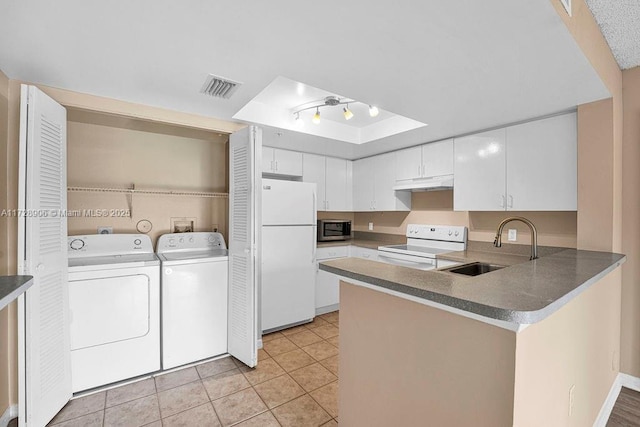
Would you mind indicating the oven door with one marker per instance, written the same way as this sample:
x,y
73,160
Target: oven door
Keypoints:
x,y
403,260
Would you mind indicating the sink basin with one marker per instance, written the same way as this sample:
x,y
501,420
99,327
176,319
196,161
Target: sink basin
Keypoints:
x,y
473,269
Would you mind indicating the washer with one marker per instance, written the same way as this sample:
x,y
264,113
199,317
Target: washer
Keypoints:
x,y
114,300
194,296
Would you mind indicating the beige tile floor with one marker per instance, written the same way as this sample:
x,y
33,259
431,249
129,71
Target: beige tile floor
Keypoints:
x,y
294,384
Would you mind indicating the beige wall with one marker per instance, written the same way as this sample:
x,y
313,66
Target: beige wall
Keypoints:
x,y
576,346
436,207
407,364
106,151
630,342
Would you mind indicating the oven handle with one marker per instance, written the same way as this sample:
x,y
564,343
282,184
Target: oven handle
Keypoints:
x,y
406,259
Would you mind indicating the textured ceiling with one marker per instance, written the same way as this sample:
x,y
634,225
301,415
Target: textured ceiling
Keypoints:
x,y
619,21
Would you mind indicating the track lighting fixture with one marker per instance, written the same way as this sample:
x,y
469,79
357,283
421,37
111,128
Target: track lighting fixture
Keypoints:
x,y
332,101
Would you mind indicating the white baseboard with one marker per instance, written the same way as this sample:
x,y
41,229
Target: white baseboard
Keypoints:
x,y
327,309
622,380
9,414
629,381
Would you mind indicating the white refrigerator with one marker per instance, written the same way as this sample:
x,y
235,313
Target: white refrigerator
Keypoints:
x,y
288,253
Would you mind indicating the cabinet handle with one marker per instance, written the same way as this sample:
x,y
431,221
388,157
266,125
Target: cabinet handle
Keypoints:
x,y
424,170
272,168
419,170
276,166
502,201
327,202
510,201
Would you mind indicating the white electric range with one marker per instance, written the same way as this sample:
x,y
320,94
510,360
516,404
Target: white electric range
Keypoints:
x,y
424,242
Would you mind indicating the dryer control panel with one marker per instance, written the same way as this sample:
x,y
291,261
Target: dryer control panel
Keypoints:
x,y
190,241
95,245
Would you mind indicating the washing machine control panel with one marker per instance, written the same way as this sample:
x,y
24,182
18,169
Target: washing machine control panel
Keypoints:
x,y
95,245
190,241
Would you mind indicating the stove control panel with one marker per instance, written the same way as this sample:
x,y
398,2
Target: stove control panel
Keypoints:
x,y
447,233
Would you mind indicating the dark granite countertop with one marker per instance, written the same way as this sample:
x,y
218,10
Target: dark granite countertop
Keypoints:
x,y
11,287
525,292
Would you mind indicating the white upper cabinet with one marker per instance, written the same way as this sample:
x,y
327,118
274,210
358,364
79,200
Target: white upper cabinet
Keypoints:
x,y
542,165
527,167
363,184
437,158
333,179
373,181
480,175
425,161
338,183
281,162
409,163
313,170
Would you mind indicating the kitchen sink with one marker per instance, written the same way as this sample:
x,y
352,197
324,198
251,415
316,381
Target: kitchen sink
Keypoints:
x,y
473,269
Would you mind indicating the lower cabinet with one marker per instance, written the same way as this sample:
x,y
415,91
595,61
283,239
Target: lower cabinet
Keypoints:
x,y
328,284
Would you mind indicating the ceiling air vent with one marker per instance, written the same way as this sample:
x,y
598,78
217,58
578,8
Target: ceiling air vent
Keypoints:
x,y
219,87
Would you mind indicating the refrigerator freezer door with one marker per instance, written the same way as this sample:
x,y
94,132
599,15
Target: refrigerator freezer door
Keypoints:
x,y
288,202
288,275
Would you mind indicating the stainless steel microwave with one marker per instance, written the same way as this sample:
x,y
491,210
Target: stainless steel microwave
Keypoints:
x,y
333,229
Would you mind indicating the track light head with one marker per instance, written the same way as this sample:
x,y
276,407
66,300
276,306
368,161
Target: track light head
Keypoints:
x,y
316,116
348,115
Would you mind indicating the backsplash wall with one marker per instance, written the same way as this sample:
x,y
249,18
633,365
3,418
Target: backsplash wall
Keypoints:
x,y
436,207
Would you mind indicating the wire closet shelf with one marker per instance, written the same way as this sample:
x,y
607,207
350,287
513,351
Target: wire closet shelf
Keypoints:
x,y
158,192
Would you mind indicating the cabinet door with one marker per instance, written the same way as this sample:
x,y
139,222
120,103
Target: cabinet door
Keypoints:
x,y
349,186
336,180
327,289
386,199
288,162
313,170
267,159
437,158
363,176
366,253
408,163
542,165
479,165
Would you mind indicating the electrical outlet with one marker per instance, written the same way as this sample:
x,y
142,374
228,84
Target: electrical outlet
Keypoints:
x,y
571,398
214,228
513,235
370,226
105,230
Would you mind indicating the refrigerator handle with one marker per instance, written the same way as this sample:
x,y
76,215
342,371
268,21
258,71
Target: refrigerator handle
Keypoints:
x,y
313,255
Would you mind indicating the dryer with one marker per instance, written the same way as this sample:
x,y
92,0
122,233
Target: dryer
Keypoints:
x,y
114,300
194,296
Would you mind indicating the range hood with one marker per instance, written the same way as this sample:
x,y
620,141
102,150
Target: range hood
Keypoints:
x,y
435,183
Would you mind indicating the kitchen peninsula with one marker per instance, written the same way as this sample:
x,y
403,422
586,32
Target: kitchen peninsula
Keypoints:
x,y
528,344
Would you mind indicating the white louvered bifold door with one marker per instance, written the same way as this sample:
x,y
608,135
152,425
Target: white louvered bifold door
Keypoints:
x,y
44,350
245,149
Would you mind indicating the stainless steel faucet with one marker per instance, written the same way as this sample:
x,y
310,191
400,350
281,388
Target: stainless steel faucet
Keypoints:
x,y
534,234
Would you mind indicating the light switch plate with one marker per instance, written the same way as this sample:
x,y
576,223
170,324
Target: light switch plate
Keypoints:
x,y
370,226
513,235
